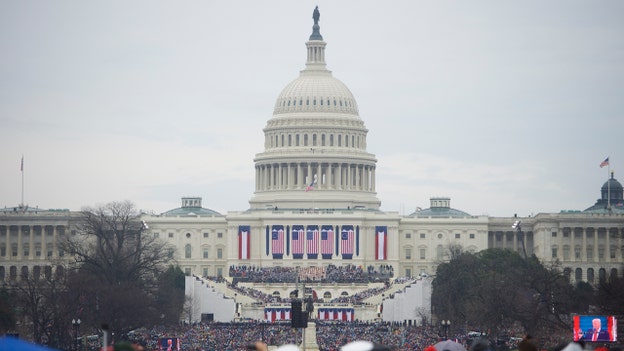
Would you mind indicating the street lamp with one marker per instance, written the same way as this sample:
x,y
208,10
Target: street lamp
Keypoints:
x,y
76,326
446,325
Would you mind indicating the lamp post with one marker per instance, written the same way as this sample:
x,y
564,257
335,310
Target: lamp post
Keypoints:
x,y
446,325
76,326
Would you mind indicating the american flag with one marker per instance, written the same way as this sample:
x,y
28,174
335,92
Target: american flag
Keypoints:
x,y
311,185
277,241
346,241
312,240
243,242
604,163
381,238
298,240
327,241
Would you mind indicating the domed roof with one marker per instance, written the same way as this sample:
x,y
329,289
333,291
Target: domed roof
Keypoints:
x,y
611,185
191,207
441,208
612,198
316,91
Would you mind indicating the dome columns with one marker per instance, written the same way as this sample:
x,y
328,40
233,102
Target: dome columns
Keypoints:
x,y
329,176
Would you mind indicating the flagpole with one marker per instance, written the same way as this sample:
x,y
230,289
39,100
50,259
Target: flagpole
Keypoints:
x,y
609,185
22,170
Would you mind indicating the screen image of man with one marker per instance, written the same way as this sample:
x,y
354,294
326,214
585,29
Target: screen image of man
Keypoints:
x,y
597,333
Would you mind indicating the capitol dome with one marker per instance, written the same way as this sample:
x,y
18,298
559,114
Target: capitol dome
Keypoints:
x,y
316,91
315,144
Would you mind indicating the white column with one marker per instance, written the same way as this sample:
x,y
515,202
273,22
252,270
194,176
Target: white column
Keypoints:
x,y
19,242
31,248
319,180
54,242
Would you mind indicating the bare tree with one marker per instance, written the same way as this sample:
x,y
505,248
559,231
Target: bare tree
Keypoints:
x,y
112,244
46,306
118,267
191,307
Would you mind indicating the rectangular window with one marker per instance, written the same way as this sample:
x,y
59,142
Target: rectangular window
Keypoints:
x,y
187,271
205,272
554,252
205,235
590,253
423,254
408,254
219,253
472,236
26,251
408,272
408,235
577,253
566,234
422,235
205,253
171,235
566,253
219,272
156,235
457,236
219,235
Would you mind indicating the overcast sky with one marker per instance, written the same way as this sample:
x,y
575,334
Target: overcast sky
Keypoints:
x,y
503,106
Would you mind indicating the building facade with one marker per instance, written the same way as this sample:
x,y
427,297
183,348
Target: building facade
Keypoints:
x,y
315,204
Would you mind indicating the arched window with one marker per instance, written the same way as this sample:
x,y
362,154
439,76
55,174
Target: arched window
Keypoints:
x,y
602,275
327,295
590,275
24,274
187,251
613,274
47,272
578,274
567,272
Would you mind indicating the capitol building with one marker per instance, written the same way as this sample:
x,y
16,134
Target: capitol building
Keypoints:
x,y
315,205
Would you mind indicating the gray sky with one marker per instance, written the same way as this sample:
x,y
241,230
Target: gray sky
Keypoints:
x,y
503,106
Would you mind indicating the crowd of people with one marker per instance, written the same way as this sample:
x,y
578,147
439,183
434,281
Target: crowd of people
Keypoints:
x,y
325,274
330,335
355,299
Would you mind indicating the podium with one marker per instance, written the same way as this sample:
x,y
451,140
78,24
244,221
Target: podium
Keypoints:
x,y
309,338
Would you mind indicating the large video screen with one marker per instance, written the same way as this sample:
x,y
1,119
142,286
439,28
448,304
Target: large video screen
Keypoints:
x,y
169,344
595,328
